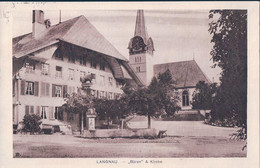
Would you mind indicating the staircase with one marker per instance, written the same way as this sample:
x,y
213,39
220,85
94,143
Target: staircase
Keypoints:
x,y
188,115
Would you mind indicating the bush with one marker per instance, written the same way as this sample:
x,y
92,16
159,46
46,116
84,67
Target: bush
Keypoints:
x,y
32,123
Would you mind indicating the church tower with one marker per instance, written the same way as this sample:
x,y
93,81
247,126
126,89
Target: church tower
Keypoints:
x,y
141,50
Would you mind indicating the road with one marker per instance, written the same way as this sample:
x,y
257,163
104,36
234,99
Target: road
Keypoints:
x,y
187,139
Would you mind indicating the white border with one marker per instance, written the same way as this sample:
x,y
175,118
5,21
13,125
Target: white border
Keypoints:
x,y
6,143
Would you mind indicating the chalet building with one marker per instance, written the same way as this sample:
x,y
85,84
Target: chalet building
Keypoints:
x,y
186,73
48,64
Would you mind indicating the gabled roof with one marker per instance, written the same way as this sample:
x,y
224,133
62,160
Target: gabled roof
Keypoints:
x,y
185,73
78,31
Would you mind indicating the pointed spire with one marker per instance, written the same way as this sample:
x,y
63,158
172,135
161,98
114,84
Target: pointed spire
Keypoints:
x,y
140,28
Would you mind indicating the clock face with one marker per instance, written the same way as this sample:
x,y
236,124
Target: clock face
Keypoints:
x,y
138,43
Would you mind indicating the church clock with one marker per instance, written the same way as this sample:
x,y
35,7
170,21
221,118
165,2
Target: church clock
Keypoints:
x,y
138,44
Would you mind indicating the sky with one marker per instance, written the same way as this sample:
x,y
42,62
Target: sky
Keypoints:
x,y
178,35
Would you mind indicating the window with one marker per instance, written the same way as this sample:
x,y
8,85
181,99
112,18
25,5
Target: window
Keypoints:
x,y
138,59
185,98
44,112
93,63
58,91
138,69
102,80
71,58
82,73
110,79
29,88
117,84
29,67
29,110
45,89
45,69
71,74
93,78
58,72
58,55
58,114
83,60
71,89
94,93
102,64
102,94
110,95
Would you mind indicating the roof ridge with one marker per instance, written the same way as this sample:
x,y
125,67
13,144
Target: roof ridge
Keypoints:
x,y
76,20
175,62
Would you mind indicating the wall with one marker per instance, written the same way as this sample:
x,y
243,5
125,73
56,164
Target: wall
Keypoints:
x,y
146,66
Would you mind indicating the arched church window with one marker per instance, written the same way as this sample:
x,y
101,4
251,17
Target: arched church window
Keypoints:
x,y
185,98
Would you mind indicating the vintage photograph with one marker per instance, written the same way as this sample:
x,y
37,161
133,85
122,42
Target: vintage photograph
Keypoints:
x,y
137,83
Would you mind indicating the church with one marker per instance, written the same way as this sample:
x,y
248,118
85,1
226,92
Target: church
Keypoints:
x,y
141,52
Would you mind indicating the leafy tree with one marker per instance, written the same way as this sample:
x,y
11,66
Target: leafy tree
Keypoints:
x,y
162,90
32,123
106,110
229,35
159,97
203,95
78,104
142,103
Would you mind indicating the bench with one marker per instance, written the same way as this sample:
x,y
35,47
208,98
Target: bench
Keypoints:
x,y
162,133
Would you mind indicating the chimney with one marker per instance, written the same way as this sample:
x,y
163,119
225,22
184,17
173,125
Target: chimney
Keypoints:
x,y
38,23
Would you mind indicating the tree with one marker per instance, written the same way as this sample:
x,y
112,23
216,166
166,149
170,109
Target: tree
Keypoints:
x,y
142,103
203,95
229,35
78,104
106,110
32,123
162,90
159,97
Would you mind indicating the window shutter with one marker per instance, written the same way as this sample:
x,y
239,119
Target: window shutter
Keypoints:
x,y
51,112
43,89
26,110
36,88
53,90
64,90
22,87
32,110
47,89
38,110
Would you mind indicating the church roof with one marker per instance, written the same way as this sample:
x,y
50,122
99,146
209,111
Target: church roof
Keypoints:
x,y
140,28
78,31
185,73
